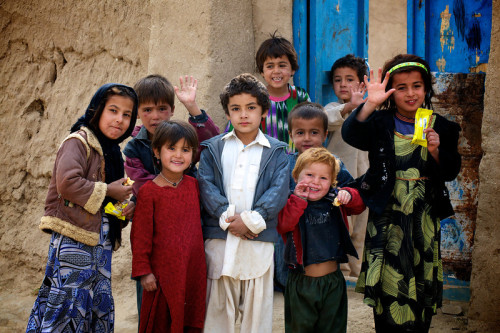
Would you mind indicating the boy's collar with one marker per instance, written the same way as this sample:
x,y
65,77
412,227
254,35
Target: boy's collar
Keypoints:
x,y
259,139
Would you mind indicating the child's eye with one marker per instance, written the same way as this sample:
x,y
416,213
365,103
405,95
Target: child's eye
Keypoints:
x,y
129,115
315,132
235,109
146,110
251,108
299,133
186,150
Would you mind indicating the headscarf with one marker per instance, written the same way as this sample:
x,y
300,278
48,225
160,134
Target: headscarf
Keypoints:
x,y
113,160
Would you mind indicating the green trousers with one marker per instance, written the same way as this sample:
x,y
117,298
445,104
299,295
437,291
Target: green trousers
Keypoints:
x,y
315,304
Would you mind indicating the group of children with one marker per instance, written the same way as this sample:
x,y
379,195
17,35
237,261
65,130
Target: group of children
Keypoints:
x,y
269,173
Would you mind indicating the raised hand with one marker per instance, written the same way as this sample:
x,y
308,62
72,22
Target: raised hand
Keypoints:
x,y
187,94
357,94
376,94
376,88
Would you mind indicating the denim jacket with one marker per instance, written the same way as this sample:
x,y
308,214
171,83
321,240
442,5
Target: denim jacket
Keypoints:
x,y
271,191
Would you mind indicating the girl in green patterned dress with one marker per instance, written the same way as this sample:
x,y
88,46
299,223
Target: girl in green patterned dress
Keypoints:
x,y
402,273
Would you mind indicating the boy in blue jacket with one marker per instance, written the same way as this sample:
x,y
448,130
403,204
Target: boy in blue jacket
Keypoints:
x,y
243,178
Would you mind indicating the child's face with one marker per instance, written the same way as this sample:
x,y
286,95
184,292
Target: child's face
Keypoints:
x,y
245,115
318,176
175,158
307,133
344,79
116,116
277,72
410,92
152,115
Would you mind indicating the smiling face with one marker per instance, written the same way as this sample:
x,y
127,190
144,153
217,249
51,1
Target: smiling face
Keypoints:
x,y
318,176
116,116
344,79
152,115
245,115
307,133
277,72
410,92
174,158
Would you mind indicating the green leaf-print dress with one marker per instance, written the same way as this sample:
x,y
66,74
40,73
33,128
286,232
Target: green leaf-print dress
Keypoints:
x,y
402,272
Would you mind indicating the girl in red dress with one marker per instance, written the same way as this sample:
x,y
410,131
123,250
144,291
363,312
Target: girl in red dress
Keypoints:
x,y
167,243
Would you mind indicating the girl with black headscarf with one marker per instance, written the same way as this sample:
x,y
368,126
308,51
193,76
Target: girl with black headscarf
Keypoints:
x,y
88,173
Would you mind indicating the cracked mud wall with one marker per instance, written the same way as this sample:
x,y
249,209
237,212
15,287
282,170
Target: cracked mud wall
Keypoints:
x,y
53,57
484,312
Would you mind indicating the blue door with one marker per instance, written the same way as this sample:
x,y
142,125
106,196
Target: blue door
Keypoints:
x,y
324,31
452,35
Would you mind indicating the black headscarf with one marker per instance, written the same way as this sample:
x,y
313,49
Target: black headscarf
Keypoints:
x,y
113,160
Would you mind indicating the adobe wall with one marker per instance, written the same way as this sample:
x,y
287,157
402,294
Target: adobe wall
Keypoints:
x,y
484,311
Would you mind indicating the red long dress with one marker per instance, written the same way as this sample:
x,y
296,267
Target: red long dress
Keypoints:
x,y
167,241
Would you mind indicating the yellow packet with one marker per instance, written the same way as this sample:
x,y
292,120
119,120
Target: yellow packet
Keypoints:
x,y
422,120
336,202
116,209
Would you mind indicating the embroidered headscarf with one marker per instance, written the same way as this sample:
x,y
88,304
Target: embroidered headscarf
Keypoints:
x,y
113,160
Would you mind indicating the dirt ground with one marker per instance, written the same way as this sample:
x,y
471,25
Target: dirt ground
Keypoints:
x,y
15,308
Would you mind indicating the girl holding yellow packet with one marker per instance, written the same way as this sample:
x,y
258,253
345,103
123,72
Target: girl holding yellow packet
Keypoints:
x,y
402,274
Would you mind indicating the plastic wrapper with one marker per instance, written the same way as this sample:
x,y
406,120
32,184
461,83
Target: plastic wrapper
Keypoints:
x,y
116,209
422,120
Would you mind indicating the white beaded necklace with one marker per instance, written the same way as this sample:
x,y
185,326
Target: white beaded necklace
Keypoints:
x,y
171,182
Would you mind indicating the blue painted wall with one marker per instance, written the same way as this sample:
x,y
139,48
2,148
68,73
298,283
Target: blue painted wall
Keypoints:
x,y
452,35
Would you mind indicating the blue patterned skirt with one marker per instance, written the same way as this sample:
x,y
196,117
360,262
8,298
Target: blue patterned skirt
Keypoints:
x,y
75,295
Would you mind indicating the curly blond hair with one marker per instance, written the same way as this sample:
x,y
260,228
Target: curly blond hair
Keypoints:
x,y
316,155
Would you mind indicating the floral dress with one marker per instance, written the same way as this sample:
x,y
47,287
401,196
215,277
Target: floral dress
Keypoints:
x,y
402,272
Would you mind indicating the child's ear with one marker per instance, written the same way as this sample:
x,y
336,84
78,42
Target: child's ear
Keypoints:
x,y
156,153
264,114
173,109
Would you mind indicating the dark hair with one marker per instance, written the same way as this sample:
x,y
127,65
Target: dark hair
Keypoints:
x,y
155,88
245,83
170,132
308,111
113,91
426,76
276,47
351,61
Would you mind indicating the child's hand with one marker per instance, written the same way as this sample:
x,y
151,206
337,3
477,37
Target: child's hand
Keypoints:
x,y
118,191
432,143
148,282
344,197
128,211
187,94
238,228
302,190
357,95
376,94
376,89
